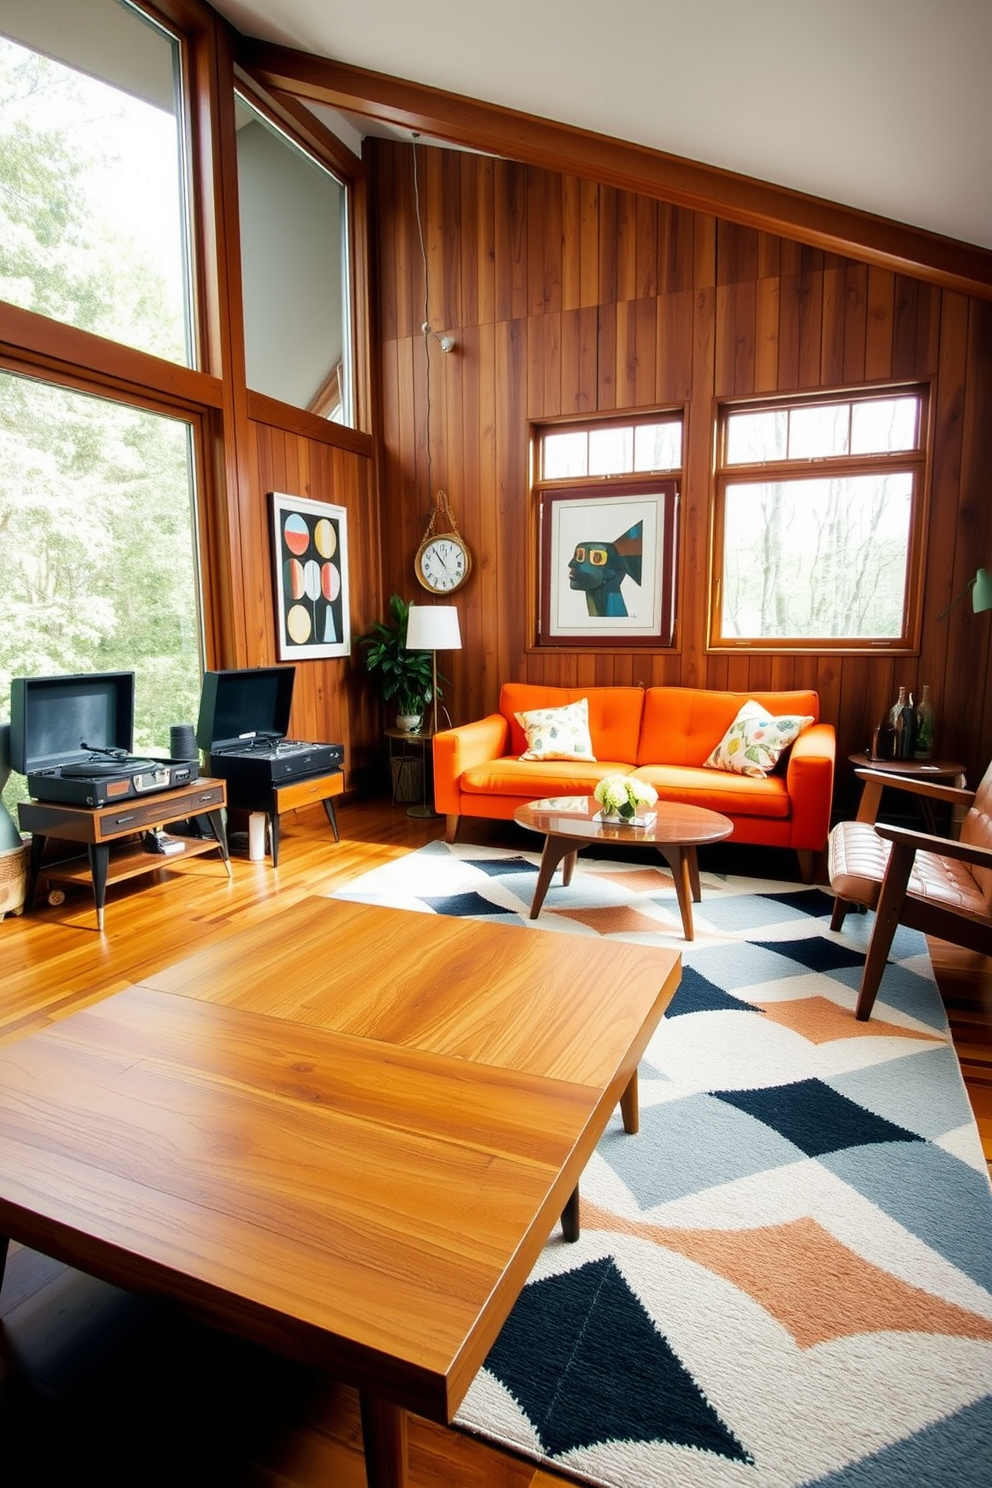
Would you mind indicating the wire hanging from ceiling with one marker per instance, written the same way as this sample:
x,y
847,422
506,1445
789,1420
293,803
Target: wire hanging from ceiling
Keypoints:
x,y
446,343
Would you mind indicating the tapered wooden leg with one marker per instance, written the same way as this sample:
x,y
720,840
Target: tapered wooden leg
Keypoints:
x,y
629,1108
806,864
555,848
4,1248
570,1217
678,860
839,915
888,909
384,1437
451,826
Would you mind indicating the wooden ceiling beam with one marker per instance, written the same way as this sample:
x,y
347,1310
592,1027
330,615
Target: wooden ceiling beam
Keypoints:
x,y
457,120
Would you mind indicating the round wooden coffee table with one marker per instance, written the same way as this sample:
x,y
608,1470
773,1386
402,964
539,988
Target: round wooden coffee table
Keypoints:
x,y
568,823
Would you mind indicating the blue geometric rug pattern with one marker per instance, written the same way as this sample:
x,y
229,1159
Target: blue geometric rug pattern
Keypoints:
x,y
784,1280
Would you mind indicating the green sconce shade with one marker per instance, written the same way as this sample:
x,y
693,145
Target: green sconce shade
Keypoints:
x,y
981,591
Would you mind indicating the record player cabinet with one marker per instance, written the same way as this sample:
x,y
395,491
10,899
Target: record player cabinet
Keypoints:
x,y
111,836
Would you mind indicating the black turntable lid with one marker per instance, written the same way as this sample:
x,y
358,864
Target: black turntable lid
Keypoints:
x,y
51,716
237,706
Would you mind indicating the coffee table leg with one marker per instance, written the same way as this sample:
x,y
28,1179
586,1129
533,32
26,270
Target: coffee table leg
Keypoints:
x,y
384,1436
677,859
555,848
693,857
4,1248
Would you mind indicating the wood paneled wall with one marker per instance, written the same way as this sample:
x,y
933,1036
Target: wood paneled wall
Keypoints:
x,y
566,297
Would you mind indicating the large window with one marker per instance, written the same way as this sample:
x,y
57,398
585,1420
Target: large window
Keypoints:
x,y
92,225
97,562
607,502
294,263
818,521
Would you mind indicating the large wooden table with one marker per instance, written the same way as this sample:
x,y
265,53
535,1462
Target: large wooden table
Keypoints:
x,y
345,1132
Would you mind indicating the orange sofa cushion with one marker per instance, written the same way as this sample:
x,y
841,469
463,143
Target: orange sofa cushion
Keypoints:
x,y
682,725
614,715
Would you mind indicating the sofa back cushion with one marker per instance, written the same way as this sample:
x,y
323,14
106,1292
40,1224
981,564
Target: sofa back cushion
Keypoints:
x,y
683,725
614,715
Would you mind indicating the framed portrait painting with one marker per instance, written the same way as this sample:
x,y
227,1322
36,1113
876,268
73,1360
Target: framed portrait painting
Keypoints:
x,y
608,565
310,553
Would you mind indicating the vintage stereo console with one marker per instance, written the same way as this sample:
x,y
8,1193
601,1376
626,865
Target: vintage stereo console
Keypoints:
x,y
242,727
72,737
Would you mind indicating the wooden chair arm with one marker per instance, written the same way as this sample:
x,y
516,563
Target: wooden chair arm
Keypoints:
x,y
877,780
944,847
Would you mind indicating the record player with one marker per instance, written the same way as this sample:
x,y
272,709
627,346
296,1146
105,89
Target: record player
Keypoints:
x,y
72,736
242,727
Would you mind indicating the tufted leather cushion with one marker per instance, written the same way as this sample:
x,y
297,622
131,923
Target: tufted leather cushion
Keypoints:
x,y
857,857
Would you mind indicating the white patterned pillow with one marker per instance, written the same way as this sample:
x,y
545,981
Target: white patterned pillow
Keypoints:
x,y
557,733
755,740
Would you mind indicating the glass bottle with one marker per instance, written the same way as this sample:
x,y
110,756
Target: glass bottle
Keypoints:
x,y
907,732
897,725
923,741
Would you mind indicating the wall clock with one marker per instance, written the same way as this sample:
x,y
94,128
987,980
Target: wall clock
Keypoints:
x,y
443,560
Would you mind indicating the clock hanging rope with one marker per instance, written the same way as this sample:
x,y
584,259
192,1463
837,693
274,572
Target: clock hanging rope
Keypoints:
x,y
443,560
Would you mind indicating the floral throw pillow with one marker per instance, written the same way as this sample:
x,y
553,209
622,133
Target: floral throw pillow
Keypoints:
x,y
557,733
755,740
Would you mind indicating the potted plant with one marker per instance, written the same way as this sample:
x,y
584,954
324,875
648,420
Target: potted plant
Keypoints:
x,y
404,676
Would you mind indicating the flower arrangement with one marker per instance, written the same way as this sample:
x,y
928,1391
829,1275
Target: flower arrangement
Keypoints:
x,y
621,795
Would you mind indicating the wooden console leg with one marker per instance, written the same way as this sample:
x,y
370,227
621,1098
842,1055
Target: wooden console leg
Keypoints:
x,y
451,827
384,1436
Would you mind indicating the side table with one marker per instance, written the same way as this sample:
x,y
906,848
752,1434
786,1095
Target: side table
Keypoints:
x,y
944,771
108,834
289,795
410,756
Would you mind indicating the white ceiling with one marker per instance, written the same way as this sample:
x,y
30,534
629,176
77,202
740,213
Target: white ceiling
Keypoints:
x,y
884,105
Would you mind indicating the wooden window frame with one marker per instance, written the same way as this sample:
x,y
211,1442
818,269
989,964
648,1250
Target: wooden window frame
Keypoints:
x,y
914,462
661,489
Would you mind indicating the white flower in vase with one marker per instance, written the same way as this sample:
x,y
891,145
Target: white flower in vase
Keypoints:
x,y
623,795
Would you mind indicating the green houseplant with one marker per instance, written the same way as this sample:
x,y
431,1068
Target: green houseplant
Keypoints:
x,y
404,676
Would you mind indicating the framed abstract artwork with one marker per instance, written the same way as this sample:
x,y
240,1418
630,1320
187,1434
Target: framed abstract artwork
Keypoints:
x,y
608,566
310,558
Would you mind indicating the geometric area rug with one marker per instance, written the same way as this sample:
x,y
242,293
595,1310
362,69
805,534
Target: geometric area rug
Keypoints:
x,y
784,1280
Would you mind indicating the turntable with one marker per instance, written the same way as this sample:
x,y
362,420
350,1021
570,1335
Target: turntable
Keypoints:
x,y
242,727
72,737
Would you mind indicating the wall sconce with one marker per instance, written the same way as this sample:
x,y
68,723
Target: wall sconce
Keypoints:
x,y
981,593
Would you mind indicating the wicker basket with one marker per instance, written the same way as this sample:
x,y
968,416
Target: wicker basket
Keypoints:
x,y
13,880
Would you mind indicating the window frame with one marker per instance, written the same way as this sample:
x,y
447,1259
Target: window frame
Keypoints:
x,y
916,462
661,485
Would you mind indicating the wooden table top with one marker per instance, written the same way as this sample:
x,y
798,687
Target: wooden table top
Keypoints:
x,y
345,1132
575,816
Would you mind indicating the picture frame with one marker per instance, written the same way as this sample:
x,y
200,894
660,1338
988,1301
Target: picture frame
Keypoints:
x,y
310,562
607,565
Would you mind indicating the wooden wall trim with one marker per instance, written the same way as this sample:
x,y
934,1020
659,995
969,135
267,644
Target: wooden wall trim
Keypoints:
x,y
265,410
571,151
42,344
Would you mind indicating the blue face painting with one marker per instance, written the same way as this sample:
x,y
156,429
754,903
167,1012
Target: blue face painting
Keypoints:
x,y
599,568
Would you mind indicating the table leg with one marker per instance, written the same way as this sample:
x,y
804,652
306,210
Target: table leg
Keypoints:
x,y
274,837
216,820
4,1251
35,856
99,856
630,1107
693,857
384,1436
570,1217
332,817
677,859
555,848
568,868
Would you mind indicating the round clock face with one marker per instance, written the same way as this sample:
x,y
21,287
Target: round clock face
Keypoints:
x,y
443,563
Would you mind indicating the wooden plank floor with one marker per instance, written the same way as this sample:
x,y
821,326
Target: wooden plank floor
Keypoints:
x,y
99,1386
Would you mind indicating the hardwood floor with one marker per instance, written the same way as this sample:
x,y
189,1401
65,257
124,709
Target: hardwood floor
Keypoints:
x,y
100,1386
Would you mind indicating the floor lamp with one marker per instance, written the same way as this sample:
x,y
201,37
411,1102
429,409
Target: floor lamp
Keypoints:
x,y
431,628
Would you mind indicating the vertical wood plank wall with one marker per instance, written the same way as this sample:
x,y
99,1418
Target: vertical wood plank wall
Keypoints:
x,y
568,297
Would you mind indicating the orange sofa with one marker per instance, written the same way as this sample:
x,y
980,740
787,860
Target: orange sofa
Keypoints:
x,y
660,734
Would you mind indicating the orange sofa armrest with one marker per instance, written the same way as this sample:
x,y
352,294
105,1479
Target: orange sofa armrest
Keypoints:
x,y
459,749
809,779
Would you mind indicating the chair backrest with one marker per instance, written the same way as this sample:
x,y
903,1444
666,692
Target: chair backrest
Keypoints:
x,y
976,829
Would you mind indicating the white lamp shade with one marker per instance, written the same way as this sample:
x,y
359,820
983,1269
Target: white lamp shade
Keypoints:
x,y
433,628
